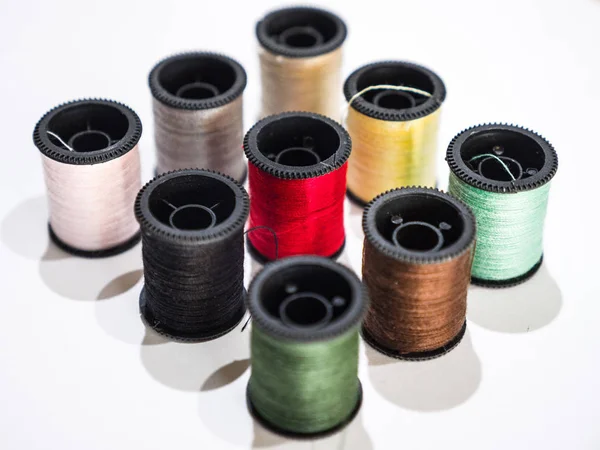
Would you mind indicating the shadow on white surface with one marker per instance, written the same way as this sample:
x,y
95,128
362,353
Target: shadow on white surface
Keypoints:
x,y
435,385
354,219
352,437
120,317
153,338
519,309
201,366
345,259
120,284
263,438
25,231
255,267
226,375
90,279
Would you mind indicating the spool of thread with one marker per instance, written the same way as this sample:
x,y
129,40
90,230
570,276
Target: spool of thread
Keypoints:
x,y
393,119
301,57
198,113
503,172
416,266
305,312
192,225
92,171
297,179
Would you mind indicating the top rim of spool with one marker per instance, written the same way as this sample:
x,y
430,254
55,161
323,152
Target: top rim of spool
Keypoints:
x,y
461,245
334,162
165,97
352,318
113,151
460,169
270,44
361,105
151,226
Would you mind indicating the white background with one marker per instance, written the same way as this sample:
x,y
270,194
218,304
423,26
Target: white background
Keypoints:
x,y
79,371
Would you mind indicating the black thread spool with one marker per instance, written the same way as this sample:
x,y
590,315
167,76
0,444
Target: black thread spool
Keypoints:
x,y
198,113
308,302
192,225
91,164
416,266
297,153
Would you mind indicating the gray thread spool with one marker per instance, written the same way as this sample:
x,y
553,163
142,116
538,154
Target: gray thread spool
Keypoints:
x,y
198,113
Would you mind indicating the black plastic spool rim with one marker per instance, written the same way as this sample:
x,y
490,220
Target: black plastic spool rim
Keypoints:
x,y
392,105
306,299
296,146
197,81
301,32
530,158
418,226
180,207
97,131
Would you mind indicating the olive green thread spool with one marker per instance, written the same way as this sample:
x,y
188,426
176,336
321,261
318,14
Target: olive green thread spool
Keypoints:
x,y
306,312
503,172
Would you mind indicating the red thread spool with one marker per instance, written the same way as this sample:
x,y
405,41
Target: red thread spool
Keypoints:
x,y
297,180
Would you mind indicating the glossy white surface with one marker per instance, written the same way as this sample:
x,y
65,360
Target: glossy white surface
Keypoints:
x,y
79,371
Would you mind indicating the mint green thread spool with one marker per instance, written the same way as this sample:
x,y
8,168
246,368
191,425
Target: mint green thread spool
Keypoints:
x,y
306,313
503,173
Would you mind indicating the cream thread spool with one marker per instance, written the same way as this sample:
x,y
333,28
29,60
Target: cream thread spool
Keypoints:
x,y
301,55
92,170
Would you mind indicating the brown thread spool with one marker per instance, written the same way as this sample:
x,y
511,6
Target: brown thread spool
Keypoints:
x,y
92,171
417,267
198,113
301,58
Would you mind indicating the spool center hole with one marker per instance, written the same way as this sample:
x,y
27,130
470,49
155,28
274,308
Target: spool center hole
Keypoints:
x,y
306,310
301,37
301,40
89,141
492,169
418,236
197,91
298,157
193,217
394,100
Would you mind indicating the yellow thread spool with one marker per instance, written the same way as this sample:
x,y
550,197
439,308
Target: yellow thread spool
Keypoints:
x,y
393,119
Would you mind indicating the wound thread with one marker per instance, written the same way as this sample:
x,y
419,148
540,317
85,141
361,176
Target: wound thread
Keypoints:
x,y
198,113
416,266
193,251
300,59
393,115
91,167
304,346
297,178
503,173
